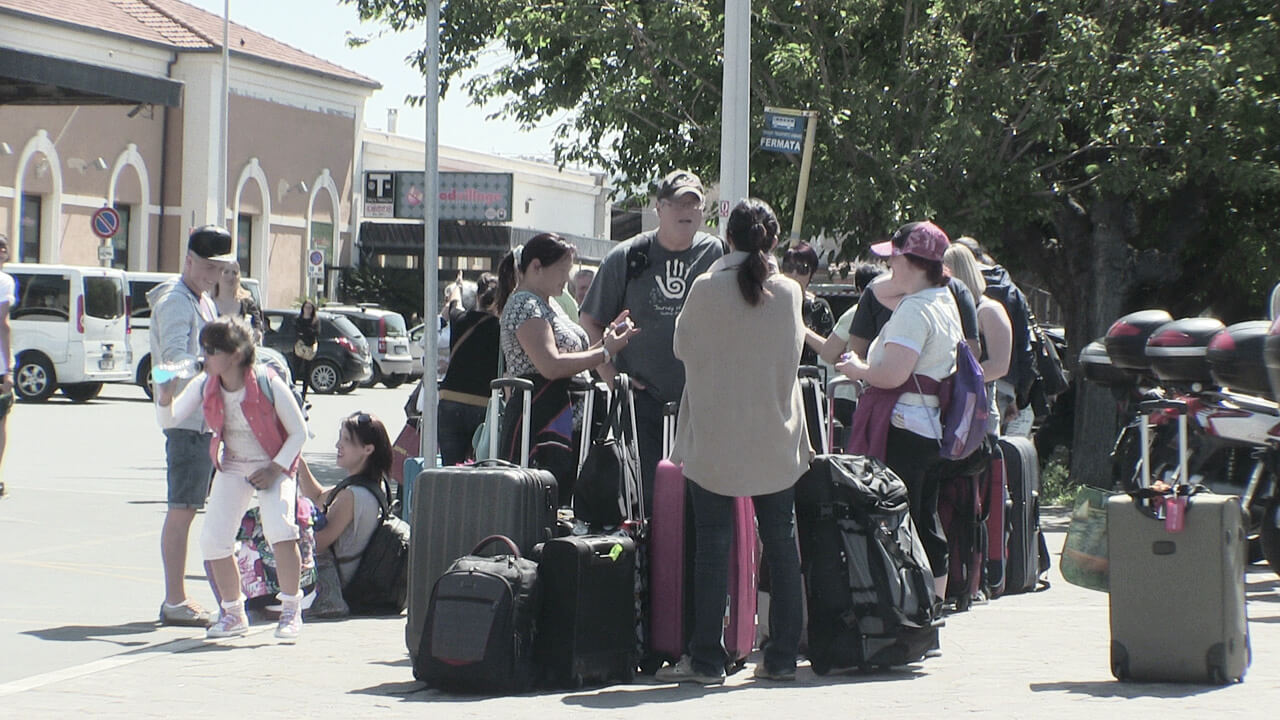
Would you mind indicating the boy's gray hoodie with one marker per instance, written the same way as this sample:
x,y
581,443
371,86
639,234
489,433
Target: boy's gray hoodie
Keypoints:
x,y
176,322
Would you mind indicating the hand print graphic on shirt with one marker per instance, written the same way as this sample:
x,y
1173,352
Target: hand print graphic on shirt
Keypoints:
x,y
674,284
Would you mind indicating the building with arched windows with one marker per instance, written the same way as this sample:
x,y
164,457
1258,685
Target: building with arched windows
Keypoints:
x,y
119,104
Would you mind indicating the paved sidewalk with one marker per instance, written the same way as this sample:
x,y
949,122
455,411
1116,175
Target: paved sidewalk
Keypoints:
x,y
1042,655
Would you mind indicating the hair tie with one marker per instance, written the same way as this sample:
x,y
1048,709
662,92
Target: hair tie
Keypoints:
x,y
516,252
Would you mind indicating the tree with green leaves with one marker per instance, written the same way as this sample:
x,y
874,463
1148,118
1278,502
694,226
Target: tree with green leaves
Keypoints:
x,y
1117,154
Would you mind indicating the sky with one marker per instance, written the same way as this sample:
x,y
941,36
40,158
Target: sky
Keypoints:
x,y
320,28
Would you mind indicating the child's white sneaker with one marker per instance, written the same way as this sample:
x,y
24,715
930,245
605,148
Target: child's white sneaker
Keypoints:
x,y
290,624
230,623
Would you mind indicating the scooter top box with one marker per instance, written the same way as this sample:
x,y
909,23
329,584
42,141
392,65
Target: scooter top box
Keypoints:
x,y
1126,339
1236,358
1177,350
1097,367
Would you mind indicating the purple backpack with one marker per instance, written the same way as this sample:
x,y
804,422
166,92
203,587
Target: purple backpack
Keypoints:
x,y
964,407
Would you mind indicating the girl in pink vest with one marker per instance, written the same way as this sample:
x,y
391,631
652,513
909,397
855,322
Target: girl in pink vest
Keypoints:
x,y
260,430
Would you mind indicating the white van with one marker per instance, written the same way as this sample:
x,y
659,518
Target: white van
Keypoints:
x,y
141,283
70,330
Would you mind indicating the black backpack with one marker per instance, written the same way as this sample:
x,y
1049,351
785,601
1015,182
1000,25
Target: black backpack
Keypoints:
x,y
380,585
479,630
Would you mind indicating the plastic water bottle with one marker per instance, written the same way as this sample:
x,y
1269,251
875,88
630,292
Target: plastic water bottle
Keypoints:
x,y
185,369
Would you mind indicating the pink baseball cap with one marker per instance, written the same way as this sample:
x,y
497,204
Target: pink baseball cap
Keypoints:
x,y
921,239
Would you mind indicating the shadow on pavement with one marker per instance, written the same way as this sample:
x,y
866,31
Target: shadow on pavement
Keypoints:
x,y
1117,689
99,633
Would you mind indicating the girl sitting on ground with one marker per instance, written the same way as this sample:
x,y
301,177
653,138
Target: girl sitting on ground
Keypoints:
x,y
352,509
260,429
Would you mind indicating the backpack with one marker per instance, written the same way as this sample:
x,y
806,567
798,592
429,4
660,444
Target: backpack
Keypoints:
x,y
380,585
479,630
964,407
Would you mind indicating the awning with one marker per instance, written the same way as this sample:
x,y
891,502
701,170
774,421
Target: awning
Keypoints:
x,y
382,238
462,239
30,79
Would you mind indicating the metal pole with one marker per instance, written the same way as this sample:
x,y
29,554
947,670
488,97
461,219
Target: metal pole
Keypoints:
x,y
221,217
431,238
734,133
806,164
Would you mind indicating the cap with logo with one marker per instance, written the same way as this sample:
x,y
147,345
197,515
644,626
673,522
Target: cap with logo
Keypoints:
x,y
680,182
921,239
211,242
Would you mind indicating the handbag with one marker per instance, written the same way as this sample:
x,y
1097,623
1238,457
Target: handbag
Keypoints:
x,y
608,488
408,444
257,562
1084,555
305,351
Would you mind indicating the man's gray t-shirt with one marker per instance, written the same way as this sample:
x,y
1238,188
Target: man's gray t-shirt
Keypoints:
x,y
655,297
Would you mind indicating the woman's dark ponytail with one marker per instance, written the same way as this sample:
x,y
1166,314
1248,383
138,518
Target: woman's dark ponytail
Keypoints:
x,y
753,229
506,281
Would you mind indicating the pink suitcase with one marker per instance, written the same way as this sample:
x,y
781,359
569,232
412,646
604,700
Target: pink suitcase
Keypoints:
x,y
671,571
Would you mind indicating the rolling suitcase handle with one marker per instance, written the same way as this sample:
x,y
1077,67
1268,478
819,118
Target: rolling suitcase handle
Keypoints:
x,y
588,418
622,384
1144,434
526,386
834,383
818,375
669,412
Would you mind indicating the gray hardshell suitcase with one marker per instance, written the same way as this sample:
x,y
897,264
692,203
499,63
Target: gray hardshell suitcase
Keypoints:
x,y
1177,598
455,507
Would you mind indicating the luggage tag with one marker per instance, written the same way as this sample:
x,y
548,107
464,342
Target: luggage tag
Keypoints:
x,y
1175,510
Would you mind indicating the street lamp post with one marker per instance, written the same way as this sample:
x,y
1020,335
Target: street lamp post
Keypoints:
x,y
431,237
734,133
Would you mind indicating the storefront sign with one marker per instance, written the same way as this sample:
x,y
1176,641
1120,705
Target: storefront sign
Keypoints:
x,y
484,197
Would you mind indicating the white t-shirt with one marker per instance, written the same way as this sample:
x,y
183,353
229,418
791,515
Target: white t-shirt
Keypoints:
x,y
928,323
848,391
7,297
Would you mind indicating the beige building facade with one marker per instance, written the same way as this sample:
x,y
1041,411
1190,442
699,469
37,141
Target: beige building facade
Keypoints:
x,y
108,104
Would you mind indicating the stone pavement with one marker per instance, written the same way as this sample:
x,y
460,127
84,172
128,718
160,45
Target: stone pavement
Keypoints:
x,y
1041,655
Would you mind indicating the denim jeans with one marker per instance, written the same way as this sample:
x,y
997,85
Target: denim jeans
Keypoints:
x,y
713,520
649,419
456,425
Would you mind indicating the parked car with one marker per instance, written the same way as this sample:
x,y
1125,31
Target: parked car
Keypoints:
x,y
342,353
418,346
388,341
69,330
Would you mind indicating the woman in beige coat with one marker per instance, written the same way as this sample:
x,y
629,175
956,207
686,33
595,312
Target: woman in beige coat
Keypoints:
x,y
741,432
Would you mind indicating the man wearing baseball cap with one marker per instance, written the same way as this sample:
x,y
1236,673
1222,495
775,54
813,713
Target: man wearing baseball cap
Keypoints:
x,y
179,310
650,275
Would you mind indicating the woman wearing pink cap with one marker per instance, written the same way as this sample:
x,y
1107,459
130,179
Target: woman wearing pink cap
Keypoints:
x,y
897,419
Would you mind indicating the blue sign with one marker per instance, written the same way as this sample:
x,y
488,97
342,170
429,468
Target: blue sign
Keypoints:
x,y
783,132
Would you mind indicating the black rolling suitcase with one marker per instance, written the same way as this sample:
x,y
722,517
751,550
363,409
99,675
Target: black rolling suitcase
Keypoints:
x,y
479,629
454,507
1028,557
587,627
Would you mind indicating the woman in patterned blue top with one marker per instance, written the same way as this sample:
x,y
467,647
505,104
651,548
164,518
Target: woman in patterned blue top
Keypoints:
x,y
541,343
